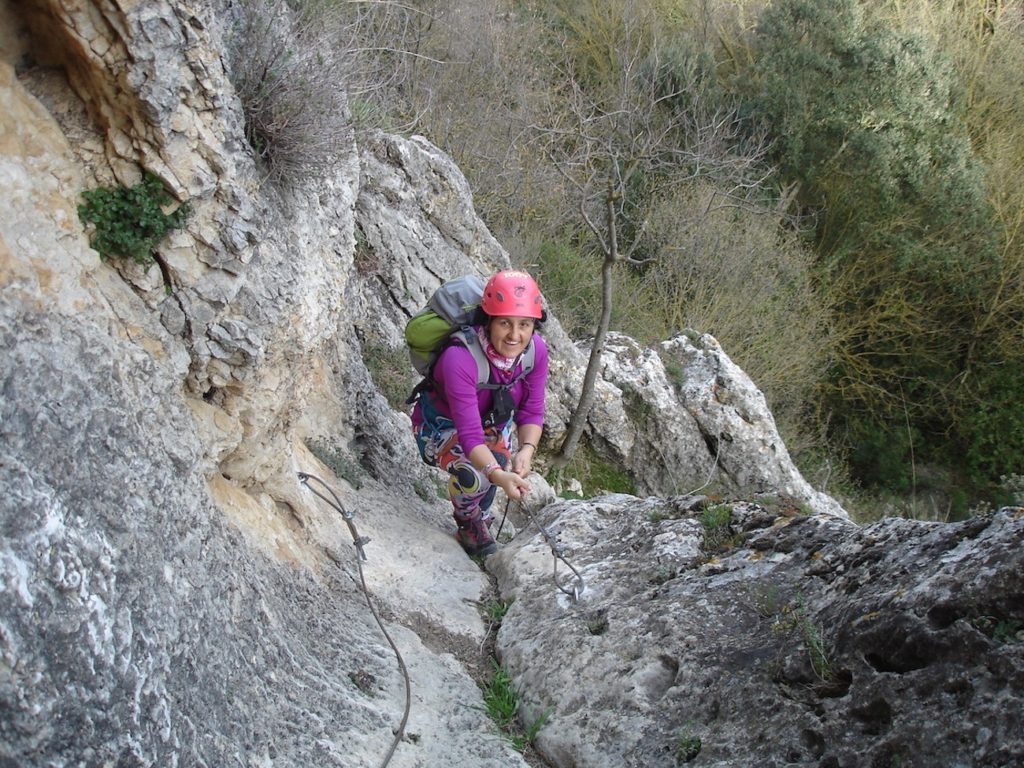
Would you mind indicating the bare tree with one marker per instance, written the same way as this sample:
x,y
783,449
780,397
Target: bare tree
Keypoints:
x,y
619,146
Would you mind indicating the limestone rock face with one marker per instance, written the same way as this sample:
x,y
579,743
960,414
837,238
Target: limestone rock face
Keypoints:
x,y
172,592
749,635
683,417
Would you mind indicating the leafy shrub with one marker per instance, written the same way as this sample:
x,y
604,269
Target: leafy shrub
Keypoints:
x,y
995,426
571,282
870,129
130,222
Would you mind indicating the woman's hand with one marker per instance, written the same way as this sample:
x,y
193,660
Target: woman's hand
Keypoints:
x,y
514,486
523,459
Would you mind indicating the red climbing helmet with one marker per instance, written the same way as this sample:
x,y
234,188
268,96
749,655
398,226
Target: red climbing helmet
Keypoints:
x,y
512,293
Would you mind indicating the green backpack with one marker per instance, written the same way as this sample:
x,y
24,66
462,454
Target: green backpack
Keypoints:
x,y
447,319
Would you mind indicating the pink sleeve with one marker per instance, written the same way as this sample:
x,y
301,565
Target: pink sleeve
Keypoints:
x,y
455,374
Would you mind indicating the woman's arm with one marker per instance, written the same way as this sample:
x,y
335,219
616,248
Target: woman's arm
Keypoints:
x,y
529,439
514,486
530,418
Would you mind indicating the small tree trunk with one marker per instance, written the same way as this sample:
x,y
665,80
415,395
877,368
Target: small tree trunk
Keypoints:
x,y
579,416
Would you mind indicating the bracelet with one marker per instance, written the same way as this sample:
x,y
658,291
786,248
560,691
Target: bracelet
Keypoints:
x,y
491,468
532,445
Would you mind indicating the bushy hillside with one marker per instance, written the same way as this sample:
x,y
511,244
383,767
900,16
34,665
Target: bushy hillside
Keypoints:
x,y
866,264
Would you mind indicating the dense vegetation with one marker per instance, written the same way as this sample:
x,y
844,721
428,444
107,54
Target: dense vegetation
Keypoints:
x,y
833,188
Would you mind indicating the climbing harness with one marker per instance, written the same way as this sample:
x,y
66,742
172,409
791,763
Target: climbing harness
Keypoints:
x,y
360,542
556,552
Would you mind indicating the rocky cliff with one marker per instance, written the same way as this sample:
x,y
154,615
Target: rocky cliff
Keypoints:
x,y
171,592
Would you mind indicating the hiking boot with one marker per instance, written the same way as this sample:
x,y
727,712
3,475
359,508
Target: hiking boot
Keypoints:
x,y
475,538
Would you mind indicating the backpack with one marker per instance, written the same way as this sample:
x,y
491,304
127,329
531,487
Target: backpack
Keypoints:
x,y
446,320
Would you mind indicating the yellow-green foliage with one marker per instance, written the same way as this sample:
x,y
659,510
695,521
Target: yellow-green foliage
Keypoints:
x,y
870,126
598,33
908,168
734,273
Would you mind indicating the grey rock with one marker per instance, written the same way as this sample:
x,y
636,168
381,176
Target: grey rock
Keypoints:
x,y
172,594
782,639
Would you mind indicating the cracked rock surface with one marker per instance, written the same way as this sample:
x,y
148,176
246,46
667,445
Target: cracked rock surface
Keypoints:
x,y
767,637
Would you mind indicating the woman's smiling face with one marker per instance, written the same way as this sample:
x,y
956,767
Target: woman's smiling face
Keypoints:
x,y
510,335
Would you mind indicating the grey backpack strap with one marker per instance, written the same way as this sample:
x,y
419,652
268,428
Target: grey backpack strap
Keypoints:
x,y
529,357
467,337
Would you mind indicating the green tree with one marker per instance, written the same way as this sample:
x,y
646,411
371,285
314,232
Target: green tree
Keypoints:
x,y
869,126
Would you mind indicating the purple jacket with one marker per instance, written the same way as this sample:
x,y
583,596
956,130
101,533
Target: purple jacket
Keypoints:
x,y
455,395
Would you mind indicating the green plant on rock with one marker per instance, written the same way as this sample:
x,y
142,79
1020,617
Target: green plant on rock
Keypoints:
x,y
131,221
688,747
494,610
502,702
342,464
596,474
658,515
764,599
1000,629
425,489
795,619
715,521
391,372
674,372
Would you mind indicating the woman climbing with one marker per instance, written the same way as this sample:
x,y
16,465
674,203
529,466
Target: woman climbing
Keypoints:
x,y
465,426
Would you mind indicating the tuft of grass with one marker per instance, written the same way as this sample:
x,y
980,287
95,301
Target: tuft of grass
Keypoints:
x,y
688,747
501,698
674,372
817,651
521,741
794,618
130,221
715,520
494,610
339,461
595,474
765,599
502,703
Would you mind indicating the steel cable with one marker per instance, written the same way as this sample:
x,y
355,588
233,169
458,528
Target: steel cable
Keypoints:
x,y
556,551
361,542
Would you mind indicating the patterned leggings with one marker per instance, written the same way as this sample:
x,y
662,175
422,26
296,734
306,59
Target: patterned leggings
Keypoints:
x,y
470,491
